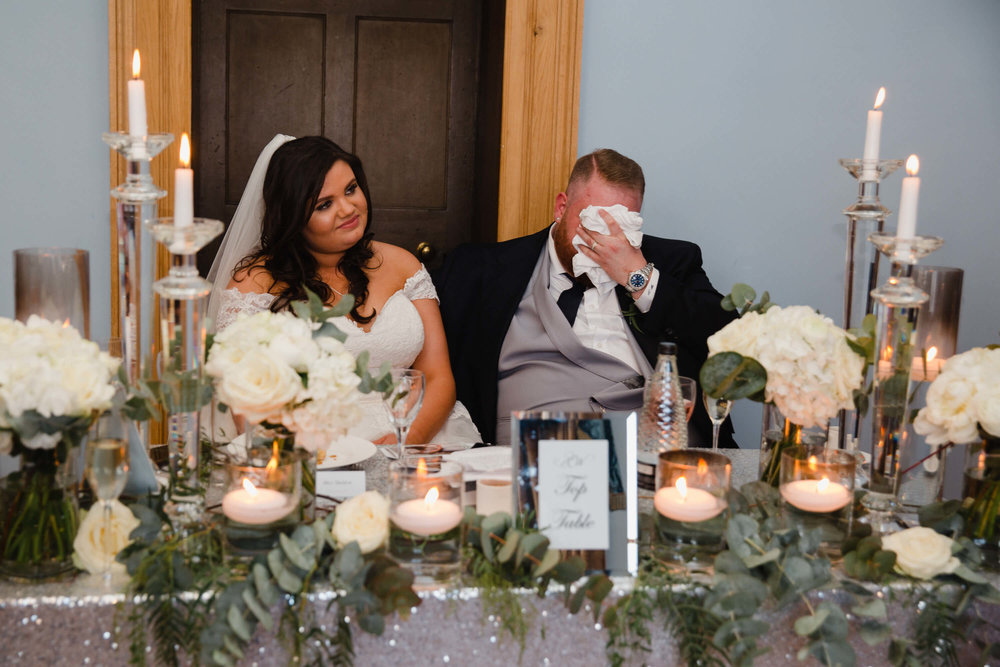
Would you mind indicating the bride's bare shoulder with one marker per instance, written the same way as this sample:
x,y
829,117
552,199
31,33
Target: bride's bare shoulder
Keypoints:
x,y
393,262
255,278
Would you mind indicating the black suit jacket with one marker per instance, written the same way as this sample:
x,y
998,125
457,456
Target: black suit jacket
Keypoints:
x,y
480,287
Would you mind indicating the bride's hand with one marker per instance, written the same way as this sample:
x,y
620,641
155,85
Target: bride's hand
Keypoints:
x,y
387,439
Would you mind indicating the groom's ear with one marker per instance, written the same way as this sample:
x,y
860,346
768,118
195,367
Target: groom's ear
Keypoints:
x,y
560,206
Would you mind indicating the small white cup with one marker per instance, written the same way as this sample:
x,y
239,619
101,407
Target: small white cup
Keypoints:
x,y
494,495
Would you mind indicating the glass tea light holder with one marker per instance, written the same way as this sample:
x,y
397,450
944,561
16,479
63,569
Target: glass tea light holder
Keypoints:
x,y
53,283
261,499
425,513
817,491
691,505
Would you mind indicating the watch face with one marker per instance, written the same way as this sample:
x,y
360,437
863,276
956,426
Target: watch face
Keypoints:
x,y
637,280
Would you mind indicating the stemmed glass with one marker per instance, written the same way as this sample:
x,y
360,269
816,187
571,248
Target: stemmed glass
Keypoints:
x,y
718,410
107,471
402,402
689,392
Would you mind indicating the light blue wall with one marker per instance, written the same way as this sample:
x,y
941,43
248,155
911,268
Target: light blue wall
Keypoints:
x,y
738,112
53,108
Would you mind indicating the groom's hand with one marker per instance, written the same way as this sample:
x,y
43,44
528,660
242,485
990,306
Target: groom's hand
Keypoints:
x,y
612,251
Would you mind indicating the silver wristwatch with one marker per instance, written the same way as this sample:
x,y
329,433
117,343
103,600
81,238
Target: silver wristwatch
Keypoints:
x,y
638,279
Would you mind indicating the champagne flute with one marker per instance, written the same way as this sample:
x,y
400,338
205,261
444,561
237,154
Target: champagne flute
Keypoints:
x,y
718,410
402,402
107,470
689,392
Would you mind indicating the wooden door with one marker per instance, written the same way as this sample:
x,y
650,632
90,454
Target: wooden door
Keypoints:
x,y
395,81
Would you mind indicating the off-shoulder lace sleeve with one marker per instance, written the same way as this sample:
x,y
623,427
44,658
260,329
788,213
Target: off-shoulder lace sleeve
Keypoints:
x,y
420,286
232,302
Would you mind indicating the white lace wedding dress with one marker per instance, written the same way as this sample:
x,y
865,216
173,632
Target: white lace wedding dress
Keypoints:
x,y
396,336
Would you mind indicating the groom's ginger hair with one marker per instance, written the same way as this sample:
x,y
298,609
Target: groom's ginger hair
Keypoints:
x,y
612,167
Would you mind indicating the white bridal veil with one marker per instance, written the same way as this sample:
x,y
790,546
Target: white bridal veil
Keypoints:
x,y
243,234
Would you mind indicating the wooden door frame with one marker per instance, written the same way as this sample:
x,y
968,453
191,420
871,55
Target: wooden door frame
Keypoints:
x,y
540,109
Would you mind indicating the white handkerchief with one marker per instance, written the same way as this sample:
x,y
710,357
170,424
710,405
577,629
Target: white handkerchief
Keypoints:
x,y
590,218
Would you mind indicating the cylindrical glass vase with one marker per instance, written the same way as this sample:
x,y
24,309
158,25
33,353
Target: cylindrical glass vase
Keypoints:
x,y
38,513
778,434
262,498
691,504
425,511
981,490
53,283
817,491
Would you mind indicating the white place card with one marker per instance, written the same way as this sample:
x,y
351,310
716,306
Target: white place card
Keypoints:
x,y
573,493
340,484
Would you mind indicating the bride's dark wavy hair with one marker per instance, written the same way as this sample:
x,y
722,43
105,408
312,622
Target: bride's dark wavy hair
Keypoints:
x,y
293,182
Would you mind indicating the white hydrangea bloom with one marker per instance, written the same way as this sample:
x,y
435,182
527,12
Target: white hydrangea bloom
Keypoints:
x,y
964,397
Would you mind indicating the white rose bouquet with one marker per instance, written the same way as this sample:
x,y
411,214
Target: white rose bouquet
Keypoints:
x,y
963,399
53,383
283,371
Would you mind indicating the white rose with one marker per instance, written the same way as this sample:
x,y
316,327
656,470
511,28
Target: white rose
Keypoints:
x,y
921,552
259,387
6,442
92,549
363,519
988,408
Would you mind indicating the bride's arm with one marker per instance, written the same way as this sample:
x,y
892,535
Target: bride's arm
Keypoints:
x,y
439,395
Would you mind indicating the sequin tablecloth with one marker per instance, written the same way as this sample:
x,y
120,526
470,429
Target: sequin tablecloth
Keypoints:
x,y
78,623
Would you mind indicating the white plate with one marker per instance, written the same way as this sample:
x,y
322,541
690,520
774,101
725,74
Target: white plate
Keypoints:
x,y
346,451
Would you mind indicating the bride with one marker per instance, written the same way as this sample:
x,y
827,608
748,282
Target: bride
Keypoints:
x,y
305,221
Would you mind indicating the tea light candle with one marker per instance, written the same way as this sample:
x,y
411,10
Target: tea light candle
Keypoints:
x,y
427,516
816,495
494,495
683,504
255,506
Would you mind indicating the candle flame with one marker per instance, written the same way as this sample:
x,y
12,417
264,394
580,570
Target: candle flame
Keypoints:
x,y
135,64
812,463
879,98
66,323
822,484
931,353
248,485
982,460
702,467
422,468
431,496
912,165
682,487
185,151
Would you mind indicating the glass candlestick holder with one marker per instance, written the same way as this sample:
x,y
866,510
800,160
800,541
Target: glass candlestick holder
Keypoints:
x,y
861,261
691,505
425,512
817,492
897,305
183,296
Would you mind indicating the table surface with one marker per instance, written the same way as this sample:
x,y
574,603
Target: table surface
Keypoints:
x,y
76,622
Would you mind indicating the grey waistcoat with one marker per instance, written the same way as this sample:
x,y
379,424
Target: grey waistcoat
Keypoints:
x,y
544,366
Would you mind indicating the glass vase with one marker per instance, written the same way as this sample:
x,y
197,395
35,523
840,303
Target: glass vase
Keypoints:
x,y
981,490
38,513
777,435
279,439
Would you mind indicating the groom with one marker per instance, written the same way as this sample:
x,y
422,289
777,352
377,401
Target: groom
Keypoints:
x,y
523,334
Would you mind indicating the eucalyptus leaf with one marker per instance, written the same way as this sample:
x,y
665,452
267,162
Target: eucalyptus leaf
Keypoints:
x,y
275,562
231,646
873,633
549,561
758,559
222,658
731,375
294,553
290,583
258,610
963,572
534,545
742,295
237,623
874,609
833,653
373,624
569,570
349,560
512,539
266,591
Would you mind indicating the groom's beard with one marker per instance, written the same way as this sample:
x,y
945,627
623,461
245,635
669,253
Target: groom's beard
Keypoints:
x,y
564,248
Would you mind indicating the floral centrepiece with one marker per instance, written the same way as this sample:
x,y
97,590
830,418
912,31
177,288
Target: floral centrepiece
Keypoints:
x,y
53,383
963,406
792,358
278,369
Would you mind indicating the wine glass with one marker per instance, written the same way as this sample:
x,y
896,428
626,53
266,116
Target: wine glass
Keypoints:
x,y
402,402
718,410
689,392
107,470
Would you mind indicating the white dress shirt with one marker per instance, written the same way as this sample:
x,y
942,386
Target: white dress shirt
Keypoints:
x,y
599,322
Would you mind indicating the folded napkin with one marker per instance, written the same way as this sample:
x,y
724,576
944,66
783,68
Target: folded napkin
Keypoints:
x,y
590,218
483,461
